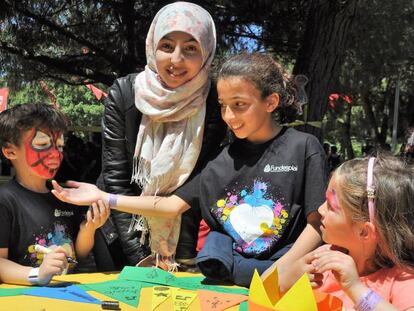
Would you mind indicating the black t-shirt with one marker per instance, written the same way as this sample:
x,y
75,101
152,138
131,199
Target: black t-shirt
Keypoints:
x,y
28,218
260,194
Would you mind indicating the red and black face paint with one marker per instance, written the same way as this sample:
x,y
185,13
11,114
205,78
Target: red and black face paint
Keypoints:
x,y
44,152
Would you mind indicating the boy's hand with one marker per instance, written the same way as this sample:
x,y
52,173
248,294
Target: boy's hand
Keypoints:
x,y
78,193
53,263
96,216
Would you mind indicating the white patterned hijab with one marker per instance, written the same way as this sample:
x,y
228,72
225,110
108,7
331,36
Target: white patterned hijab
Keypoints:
x,y
171,130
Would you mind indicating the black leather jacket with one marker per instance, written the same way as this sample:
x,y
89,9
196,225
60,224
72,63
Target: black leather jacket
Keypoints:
x,y
119,133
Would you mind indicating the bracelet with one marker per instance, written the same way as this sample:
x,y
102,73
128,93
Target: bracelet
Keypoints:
x,y
33,277
368,301
112,201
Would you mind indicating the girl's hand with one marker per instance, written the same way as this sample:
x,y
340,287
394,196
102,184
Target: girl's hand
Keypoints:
x,y
96,216
289,274
53,263
78,193
315,277
342,265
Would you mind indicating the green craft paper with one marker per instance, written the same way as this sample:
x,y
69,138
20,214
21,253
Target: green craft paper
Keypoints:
x,y
244,306
197,285
12,291
145,274
121,290
161,277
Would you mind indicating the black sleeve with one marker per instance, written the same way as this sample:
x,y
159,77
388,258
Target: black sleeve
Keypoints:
x,y
117,153
5,226
315,176
189,191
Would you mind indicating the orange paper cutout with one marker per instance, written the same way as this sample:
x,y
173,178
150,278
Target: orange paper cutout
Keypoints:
x,y
218,301
255,307
326,302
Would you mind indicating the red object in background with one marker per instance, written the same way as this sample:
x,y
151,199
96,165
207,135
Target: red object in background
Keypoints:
x,y
4,94
202,234
334,97
97,92
347,99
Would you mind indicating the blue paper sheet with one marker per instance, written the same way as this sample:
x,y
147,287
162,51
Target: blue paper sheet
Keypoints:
x,y
72,293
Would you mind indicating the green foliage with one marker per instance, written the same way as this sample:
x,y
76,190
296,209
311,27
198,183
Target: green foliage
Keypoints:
x,y
77,102
74,41
381,49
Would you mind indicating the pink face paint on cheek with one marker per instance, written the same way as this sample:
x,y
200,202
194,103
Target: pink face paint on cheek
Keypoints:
x,y
332,199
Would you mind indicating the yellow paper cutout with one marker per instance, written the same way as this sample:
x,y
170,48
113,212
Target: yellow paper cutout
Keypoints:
x,y
145,298
271,286
159,295
182,298
166,305
299,297
257,293
195,305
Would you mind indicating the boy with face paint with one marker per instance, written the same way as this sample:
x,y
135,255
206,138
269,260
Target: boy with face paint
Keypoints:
x,y
31,137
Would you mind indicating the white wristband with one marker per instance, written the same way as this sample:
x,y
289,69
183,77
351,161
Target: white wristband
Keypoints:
x,y
33,277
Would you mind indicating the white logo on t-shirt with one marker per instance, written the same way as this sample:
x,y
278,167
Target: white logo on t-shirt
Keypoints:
x,y
279,169
60,213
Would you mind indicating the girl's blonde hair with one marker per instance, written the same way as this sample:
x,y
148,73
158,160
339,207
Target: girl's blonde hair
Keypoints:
x,y
394,208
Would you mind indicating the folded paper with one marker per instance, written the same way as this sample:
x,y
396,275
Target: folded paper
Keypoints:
x,y
264,295
218,301
72,293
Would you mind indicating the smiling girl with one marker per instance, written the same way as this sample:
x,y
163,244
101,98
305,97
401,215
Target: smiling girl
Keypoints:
x,y
260,194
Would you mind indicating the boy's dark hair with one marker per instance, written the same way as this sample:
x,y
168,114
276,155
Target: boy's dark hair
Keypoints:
x,y
18,119
268,76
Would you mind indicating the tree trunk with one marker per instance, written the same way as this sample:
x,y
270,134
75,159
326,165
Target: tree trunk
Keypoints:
x,y
321,54
346,136
367,105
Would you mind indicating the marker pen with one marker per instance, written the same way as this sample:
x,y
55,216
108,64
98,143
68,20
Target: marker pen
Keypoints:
x,y
44,250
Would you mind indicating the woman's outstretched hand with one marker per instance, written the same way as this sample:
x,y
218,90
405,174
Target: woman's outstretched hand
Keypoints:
x,y
78,193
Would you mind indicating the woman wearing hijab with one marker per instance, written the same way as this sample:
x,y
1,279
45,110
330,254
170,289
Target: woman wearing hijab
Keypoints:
x,y
159,126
